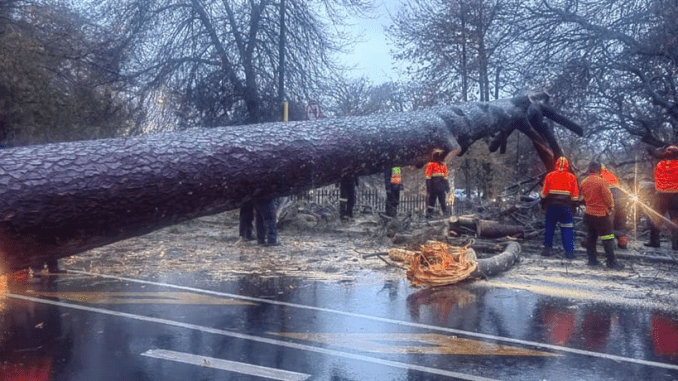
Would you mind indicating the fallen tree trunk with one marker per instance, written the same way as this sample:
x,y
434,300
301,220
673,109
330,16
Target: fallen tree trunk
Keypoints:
x,y
498,263
57,200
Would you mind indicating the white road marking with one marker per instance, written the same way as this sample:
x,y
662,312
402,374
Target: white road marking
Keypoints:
x,y
399,322
215,331
238,367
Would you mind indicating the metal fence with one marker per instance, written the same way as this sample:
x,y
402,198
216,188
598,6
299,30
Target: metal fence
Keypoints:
x,y
371,201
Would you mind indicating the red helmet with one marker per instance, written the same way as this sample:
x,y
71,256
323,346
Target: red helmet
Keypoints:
x,y
623,241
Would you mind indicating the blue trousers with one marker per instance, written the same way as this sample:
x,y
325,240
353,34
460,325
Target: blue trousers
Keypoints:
x,y
559,214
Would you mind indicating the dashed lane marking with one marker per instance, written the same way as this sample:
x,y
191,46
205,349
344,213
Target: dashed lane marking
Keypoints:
x,y
232,366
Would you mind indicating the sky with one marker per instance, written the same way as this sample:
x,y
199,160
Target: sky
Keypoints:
x,y
371,57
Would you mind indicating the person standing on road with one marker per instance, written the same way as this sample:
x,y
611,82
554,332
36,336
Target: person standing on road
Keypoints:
x,y
347,196
437,184
559,197
267,229
666,196
246,220
620,202
394,184
598,216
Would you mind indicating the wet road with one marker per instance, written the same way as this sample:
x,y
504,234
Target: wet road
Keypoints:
x,y
81,326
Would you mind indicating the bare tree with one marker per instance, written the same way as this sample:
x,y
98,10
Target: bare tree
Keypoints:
x,y
453,44
620,63
220,59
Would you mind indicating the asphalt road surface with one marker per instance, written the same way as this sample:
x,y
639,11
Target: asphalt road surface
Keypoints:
x,y
84,326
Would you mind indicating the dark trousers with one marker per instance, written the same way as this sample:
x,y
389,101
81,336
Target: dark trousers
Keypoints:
x,y
619,218
267,229
392,201
663,203
346,197
246,219
599,226
432,197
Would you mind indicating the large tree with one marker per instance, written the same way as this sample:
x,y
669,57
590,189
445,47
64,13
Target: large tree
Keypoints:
x,y
218,62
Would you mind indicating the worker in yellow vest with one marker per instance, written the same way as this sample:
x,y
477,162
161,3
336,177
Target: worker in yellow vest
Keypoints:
x,y
394,184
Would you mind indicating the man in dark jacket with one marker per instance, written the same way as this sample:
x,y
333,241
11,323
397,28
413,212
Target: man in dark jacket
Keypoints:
x,y
347,196
267,228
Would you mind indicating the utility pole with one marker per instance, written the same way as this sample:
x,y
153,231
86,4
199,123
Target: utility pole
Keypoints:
x,y
281,63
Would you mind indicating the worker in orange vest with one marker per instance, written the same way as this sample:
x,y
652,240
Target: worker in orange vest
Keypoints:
x,y
599,202
666,196
559,197
620,201
436,183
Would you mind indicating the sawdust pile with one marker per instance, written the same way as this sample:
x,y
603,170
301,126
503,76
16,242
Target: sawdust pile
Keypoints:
x,y
437,263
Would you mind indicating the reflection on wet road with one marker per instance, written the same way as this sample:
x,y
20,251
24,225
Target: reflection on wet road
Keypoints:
x,y
86,326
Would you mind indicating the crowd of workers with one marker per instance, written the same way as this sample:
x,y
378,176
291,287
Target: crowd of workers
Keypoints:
x,y
562,193
605,206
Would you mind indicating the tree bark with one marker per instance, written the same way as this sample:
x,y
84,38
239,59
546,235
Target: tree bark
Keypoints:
x,y
498,263
60,199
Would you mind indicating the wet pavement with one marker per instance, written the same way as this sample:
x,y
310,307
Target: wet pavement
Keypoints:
x,y
82,326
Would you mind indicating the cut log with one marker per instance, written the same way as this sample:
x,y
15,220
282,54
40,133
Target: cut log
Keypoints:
x,y
498,263
61,199
494,229
486,228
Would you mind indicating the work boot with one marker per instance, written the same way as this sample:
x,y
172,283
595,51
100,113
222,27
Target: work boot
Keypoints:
x,y
654,238
547,251
612,263
591,253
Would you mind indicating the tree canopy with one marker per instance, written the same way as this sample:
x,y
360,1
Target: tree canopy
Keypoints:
x,y
218,62
55,83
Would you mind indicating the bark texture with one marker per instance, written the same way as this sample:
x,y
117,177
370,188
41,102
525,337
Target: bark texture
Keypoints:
x,y
57,200
498,263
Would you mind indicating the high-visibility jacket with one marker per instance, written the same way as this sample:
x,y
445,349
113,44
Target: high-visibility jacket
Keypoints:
x,y
597,196
436,169
396,176
560,185
666,176
611,179
436,178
